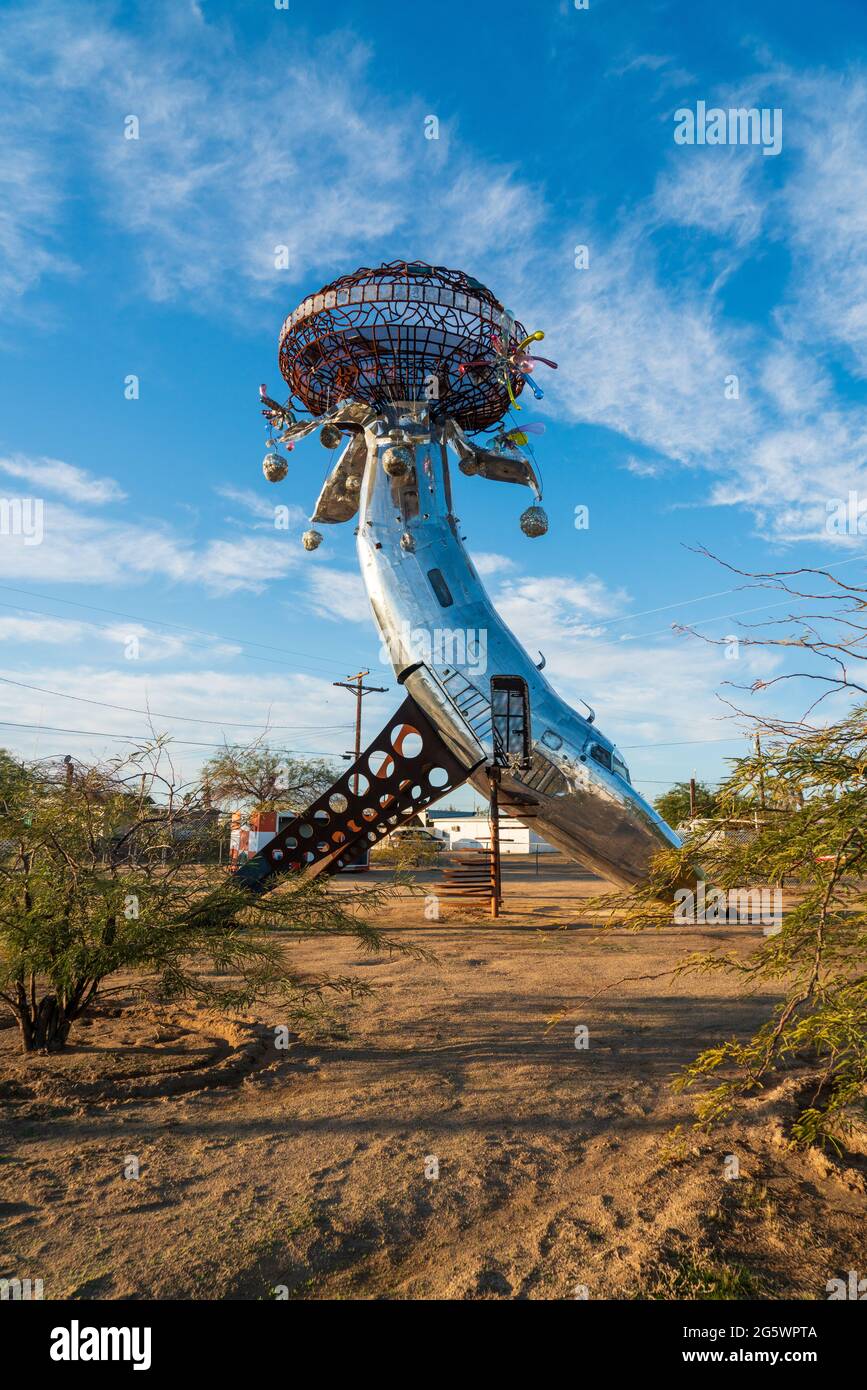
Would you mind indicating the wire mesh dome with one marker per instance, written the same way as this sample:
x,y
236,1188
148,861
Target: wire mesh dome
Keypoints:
x,y
405,331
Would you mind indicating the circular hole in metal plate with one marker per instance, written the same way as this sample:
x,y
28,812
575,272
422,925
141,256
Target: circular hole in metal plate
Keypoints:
x,y
358,784
406,740
290,842
338,803
321,817
438,777
323,847
305,831
381,763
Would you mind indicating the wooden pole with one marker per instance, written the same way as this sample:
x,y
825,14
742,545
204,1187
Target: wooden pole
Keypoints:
x,y
692,798
496,888
359,689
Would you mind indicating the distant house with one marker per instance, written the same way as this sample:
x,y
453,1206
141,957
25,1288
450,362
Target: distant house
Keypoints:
x,y
459,830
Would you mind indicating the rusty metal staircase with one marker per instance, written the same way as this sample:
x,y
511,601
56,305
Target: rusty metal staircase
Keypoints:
x,y
404,769
471,874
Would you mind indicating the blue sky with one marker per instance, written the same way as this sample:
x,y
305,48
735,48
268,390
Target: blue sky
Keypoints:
x,y
306,127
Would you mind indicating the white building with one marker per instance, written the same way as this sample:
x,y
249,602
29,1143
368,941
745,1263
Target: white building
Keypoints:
x,y
460,830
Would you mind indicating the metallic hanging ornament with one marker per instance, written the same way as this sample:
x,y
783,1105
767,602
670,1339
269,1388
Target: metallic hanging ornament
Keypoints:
x,y
534,521
397,461
275,467
407,542
311,540
330,437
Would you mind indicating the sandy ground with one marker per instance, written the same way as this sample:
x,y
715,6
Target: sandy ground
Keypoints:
x,y
438,1140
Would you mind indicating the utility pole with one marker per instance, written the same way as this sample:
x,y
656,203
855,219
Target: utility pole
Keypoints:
x,y
692,798
359,689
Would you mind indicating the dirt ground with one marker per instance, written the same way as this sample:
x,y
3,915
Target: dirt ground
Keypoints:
x,y
438,1140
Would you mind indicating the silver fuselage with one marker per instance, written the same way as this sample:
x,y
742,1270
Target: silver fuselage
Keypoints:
x,y
445,640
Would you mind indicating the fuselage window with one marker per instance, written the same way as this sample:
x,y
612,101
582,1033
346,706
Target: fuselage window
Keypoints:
x,y
601,755
440,587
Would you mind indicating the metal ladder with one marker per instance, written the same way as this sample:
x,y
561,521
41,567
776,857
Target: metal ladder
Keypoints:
x,y
468,700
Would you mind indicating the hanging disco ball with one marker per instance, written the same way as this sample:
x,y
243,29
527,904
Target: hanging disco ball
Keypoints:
x,y
330,437
397,461
534,521
275,467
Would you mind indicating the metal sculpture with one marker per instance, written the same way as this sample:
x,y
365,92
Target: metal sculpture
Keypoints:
x,y
403,363
406,767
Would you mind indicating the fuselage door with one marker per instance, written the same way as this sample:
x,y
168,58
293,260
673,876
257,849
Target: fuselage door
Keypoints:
x,y
510,722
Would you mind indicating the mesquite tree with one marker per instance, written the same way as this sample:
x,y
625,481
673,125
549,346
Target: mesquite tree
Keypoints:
x,y
261,778
110,870
804,788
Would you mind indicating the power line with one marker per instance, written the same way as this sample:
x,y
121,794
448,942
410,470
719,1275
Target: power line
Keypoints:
x,y
145,738
185,718
684,743
721,593
158,622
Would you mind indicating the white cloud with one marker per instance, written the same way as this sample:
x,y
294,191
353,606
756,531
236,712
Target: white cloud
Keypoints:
x,y
53,631
80,547
151,643
251,563
257,506
539,609
644,358
714,190
489,562
824,201
642,468
644,689
652,346
53,475
337,595
210,188
319,718
90,549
